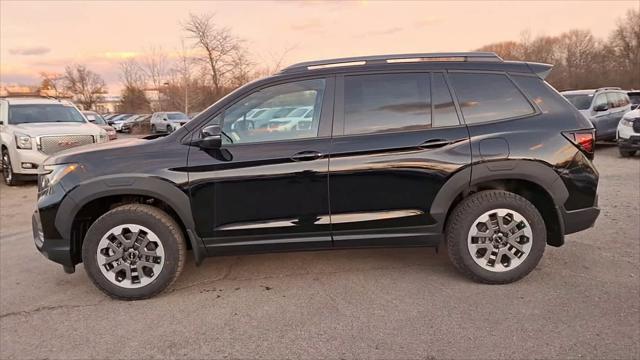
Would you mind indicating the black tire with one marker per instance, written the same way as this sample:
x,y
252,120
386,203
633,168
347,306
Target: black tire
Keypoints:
x,y
156,220
626,153
464,216
169,129
7,171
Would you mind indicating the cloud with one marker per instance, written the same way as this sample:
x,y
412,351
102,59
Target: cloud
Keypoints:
x,y
383,32
34,50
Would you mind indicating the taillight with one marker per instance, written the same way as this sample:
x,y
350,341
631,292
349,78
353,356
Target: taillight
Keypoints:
x,y
584,140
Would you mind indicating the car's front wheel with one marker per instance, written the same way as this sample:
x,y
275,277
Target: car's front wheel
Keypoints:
x,y
169,129
7,171
495,237
133,252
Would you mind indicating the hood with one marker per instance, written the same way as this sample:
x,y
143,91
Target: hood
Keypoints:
x,y
106,128
43,129
632,114
70,155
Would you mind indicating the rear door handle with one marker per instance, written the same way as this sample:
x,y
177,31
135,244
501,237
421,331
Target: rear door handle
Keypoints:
x,y
435,143
306,156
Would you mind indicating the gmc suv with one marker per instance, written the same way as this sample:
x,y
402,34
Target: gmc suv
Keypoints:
x,y
401,150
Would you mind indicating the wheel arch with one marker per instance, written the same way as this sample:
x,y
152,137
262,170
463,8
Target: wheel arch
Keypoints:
x,y
535,181
86,203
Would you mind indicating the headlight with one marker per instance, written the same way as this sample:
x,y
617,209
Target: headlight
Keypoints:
x,y
103,137
628,121
23,141
52,174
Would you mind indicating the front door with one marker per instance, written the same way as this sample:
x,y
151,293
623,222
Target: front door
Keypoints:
x,y
397,140
267,186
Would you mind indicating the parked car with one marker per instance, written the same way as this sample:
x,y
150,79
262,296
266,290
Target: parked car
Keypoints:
x,y
400,152
31,129
604,107
97,119
628,134
135,121
117,121
167,121
634,97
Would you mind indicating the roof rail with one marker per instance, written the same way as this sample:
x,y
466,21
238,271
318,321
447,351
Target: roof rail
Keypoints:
x,y
608,88
390,59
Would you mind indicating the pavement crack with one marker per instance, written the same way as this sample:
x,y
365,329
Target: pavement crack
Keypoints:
x,y
45,308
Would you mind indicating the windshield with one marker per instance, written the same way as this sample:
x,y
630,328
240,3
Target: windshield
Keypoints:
x,y
95,118
43,113
581,102
177,116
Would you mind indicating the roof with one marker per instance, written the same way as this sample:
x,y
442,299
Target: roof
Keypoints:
x,y
34,100
591,91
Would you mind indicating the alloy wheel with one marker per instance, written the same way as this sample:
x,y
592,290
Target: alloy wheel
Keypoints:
x,y
500,240
130,256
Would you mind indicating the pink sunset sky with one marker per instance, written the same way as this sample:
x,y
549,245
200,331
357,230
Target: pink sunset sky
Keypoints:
x,y
40,36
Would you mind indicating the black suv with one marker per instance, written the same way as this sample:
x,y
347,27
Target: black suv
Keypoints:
x,y
399,150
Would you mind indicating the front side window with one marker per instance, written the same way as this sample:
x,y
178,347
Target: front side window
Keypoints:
x,y
44,113
386,102
488,97
601,100
274,120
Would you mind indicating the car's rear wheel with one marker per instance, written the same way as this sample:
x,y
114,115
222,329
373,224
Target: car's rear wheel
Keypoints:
x,y
7,171
626,153
495,237
133,252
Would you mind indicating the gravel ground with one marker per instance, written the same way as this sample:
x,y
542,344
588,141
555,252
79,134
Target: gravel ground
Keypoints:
x,y
582,301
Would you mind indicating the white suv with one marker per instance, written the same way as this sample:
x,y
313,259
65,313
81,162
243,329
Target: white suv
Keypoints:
x,y
31,129
628,134
167,121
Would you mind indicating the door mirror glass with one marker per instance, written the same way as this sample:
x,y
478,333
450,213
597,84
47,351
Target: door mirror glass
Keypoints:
x,y
210,137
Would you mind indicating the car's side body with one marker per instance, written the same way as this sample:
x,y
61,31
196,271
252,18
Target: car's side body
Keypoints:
x,y
628,134
336,189
604,108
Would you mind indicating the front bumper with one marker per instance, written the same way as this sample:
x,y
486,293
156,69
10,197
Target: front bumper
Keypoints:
x,y
56,250
22,156
632,142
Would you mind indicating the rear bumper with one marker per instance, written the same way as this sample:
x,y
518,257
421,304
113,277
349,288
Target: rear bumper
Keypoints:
x,y
578,220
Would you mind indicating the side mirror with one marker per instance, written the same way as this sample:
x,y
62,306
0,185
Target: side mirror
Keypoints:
x,y
601,107
211,137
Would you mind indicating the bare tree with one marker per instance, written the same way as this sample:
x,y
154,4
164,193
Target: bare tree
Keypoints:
x,y
86,85
53,82
132,75
625,45
217,43
155,65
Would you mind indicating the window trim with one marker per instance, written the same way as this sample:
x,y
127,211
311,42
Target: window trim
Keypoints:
x,y
536,109
326,113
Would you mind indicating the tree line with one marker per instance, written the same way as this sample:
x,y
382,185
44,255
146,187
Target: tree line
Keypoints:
x,y
212,62
581,60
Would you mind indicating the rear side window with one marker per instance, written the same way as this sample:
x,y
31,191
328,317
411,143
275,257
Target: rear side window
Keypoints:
x,y
386,102
488,97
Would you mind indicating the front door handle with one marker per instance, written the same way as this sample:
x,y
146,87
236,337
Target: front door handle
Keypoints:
x,y
434,143
306,156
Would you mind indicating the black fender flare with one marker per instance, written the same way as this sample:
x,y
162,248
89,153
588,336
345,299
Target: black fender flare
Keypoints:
x,y
158,188
529,170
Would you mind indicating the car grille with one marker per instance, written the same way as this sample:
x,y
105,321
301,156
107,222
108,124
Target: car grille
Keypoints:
x,y
52,144
636,125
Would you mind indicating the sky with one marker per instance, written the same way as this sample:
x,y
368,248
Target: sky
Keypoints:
x,y
38,36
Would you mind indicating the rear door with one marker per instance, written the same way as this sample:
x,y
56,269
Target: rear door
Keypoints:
x,y
397,139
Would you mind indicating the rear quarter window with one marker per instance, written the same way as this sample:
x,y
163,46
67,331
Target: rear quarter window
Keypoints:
x,y
488,97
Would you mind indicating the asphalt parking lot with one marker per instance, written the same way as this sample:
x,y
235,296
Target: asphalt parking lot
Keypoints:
x,y
582,301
